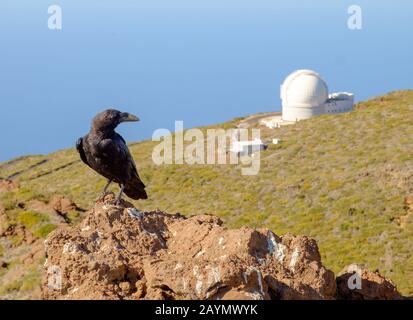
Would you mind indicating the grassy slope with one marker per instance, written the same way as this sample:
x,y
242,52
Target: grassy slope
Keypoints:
x,y
340,179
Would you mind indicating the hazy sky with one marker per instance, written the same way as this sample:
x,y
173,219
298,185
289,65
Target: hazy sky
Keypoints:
x,y
202,61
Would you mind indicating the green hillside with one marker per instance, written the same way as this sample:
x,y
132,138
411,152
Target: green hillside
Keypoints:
x,y
341,179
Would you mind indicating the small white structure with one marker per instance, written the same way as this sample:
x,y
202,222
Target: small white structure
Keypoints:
x,y
247,147
270,123
276,141
304,94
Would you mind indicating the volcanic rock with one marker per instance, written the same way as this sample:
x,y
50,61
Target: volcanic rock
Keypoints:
x,y
118,252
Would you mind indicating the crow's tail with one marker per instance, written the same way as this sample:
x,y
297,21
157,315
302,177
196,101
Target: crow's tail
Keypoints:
x,y
135,188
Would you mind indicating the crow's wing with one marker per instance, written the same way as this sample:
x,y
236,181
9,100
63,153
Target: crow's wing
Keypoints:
x,y
79,147
115,149
124,166
132,162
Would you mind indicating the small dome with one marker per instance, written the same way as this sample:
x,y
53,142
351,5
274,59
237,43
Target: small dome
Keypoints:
x,y
304,88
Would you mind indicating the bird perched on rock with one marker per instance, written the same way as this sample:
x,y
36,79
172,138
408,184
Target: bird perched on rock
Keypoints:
x,y
106,152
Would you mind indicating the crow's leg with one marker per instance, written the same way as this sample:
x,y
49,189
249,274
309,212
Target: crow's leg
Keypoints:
x,y
105,190
120,194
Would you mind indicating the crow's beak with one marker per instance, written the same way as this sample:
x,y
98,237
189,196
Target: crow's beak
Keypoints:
x,y
127,117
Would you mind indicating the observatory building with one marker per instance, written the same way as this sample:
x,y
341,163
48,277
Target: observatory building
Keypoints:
x,y
304,94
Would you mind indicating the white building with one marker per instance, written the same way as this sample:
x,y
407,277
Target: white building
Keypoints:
x,y
304,94
247,147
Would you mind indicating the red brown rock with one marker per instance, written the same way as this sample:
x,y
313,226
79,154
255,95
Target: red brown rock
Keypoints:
x,y
373,286
117,252
7,185
120,253
62,205
3,219
19,232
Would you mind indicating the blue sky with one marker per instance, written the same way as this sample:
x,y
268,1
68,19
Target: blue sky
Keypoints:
x,y
200,61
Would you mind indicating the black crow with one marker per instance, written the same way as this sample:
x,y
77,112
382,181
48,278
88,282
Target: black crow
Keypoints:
x,y
106,152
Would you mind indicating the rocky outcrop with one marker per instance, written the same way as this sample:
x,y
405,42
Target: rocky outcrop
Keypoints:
x,y
7,185
3,219
62,205
356,283
117,252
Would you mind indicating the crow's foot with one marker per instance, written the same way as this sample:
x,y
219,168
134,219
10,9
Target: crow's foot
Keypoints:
x,y
104,197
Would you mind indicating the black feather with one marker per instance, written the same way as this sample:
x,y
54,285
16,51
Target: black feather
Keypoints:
x,y
106,152
79,147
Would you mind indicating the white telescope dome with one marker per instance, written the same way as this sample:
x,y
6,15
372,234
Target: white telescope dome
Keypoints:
x,y
304,94
304,88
